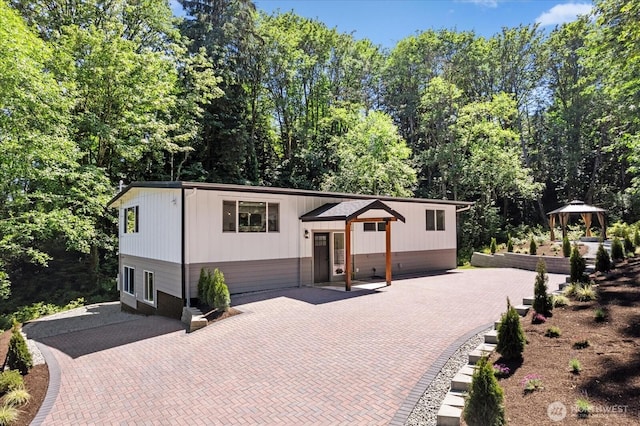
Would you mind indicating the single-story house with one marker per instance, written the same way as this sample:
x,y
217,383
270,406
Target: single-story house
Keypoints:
x,y
265,238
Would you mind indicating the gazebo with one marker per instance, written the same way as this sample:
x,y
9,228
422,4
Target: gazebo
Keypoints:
x,y
577,207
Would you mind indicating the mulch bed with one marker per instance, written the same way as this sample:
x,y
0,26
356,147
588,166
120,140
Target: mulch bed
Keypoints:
x,y
36,382
610,376
215,315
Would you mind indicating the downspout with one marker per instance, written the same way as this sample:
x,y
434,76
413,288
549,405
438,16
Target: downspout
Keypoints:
x,y
185,301
464,209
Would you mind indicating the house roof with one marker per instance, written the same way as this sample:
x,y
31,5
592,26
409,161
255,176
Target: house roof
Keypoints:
x,y
274,190
347,210
577,206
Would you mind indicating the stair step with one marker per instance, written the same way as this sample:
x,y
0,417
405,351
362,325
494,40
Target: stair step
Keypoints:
x,y
449,416
522,309
482,350
467,370
454,399
528,300
496,324
491,337
461,382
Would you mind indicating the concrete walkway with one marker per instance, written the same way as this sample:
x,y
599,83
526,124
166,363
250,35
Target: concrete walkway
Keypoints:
x,y
298,356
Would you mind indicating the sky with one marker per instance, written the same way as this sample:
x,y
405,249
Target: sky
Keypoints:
x,y
385,22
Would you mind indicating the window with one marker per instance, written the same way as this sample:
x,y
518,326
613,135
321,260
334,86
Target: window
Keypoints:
x,y
131,220
228,216
128,282
382,226
435,220
252,216
149,291
338,253
375,226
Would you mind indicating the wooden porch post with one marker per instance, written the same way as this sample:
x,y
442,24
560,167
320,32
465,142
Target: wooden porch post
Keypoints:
x,y
388,251
347,255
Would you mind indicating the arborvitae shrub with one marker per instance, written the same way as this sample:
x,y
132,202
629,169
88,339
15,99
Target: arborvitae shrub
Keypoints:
x,y
485,403
577,265
18,356
221,299
493,246
203,285
617,251
629,247
603,262
542,302
566,247
533,248
636,238
511,339
509,244
10,380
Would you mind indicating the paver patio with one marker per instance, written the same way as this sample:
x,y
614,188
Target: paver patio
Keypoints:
x,y
298,356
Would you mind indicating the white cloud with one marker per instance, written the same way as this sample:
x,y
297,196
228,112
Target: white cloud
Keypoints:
x,y
485,3
561,13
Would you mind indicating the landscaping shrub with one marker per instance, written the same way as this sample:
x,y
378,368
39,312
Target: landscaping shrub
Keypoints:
x,y
485,403
559,300
537,318
533,248
203,284
532,383
581,344
511,339
8,415
629,247
583,408
10,380
510,244
600,315
575,366
542,303
501,370
566,247
586,293
219,292
571,289
577,265
553,331
17,397
493,246
636,238
617,251
603,262
18,356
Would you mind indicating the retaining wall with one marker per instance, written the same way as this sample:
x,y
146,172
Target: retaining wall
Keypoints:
x,y
555,264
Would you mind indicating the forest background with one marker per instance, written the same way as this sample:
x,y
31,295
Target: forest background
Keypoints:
x,y
93,93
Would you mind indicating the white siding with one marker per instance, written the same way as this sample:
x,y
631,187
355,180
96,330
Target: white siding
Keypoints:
x,y
159,225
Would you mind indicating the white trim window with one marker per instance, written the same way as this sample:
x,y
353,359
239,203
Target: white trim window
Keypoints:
x,y
131,220
374,226
250,216
128,280
435,220
149,287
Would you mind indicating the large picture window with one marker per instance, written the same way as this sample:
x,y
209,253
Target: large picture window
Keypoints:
x,y
435,220
131,220
252,216
149,287
128,282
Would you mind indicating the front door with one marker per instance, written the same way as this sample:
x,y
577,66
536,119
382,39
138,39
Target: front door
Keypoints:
x,y
321,257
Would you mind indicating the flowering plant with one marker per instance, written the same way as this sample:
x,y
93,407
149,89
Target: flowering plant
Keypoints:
x,y
532,383
538,318
500,370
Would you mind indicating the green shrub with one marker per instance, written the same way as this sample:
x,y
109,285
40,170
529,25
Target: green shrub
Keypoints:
x,y
511,339
566,247
219,292
10,380
577,265
542,303
37,310
636,238
571,289
533,248
629,247
600,315
484,405
553,331
493,246
617,250
586,293
8,415
583,408
581,344
559,300
203,284
603,262
18,356
17,397
575,366
509,244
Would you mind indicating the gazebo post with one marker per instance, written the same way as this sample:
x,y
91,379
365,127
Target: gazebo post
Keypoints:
x,y
552,224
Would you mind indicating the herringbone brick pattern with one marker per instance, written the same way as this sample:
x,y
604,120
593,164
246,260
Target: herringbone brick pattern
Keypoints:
x,y
300,356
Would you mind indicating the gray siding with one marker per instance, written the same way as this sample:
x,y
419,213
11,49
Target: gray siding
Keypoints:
x,y
306,271
254,275
411,262
167,275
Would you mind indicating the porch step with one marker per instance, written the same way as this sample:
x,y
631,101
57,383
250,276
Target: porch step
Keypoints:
x,y
449,416
522,309
461,382
496,324
528,300
193,318
491,337
454,399
483,349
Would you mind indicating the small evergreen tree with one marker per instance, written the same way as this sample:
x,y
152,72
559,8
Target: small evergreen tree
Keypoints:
x,y
18,355
493,246
219,292
511,338
485,403
629,247
566,247
636,238
617,251
603,263
509,244
533,248
577,265
542,302
203,285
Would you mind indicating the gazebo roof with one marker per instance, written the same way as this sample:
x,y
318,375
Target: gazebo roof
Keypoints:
x,y
577,206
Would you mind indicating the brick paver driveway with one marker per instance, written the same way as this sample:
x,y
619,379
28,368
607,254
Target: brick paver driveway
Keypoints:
x,y
299,356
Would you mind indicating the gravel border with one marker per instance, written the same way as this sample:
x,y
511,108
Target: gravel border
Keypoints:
x,y
425,412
